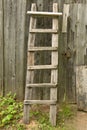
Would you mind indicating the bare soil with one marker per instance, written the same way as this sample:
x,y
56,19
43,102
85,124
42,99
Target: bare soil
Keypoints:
x,y
79,122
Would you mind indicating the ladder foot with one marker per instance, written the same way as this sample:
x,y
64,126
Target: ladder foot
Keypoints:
x,y
26,114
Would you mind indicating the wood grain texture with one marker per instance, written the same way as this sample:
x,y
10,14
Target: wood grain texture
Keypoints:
x,y
61,60
42,49
50,85
44,13
14,34
67,75
1,47
44,31
19,47
43,67
9,45
30,61
54,73
47,102
65,17
81,87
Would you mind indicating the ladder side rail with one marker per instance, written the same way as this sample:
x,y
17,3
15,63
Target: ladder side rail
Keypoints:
x,y
30,61
54,73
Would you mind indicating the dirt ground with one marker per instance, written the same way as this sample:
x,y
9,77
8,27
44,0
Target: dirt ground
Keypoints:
x,y
79,122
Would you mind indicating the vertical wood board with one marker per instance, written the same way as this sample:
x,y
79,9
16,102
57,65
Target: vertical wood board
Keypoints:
x,y
20,47
65,17
54,73
81,87
9,45
1,47
14,40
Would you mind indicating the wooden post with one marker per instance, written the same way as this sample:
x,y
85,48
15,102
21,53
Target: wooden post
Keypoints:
x,y
30,62
54,73
1,47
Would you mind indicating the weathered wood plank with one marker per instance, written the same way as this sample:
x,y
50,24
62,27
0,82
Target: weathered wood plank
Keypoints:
x,y
44,13
67,86
81,87
71,62
44,31
19,47
80,39
1,47
51,102
81,69
62,60
73,16
9,45
43,49
42,85
65,17
14,29
43,67
54,73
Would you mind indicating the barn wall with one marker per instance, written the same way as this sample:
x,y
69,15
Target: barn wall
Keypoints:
x,y
14,24
79,29
14,44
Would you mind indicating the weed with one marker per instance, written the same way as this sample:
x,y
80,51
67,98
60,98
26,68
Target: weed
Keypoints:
x,y
65,113
11,112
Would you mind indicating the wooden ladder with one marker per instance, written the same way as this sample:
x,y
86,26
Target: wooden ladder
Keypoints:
x,y
53,67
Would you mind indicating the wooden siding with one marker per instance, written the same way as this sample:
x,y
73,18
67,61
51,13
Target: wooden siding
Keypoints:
x,y
1,47
14,35
14,24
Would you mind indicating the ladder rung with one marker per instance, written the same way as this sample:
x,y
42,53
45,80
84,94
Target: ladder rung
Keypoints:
x,y
43,49
49,85
43,31
29,102
37,13
37,67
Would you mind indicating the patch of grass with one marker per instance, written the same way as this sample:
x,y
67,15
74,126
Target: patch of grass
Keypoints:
x,y
65,112
11,112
